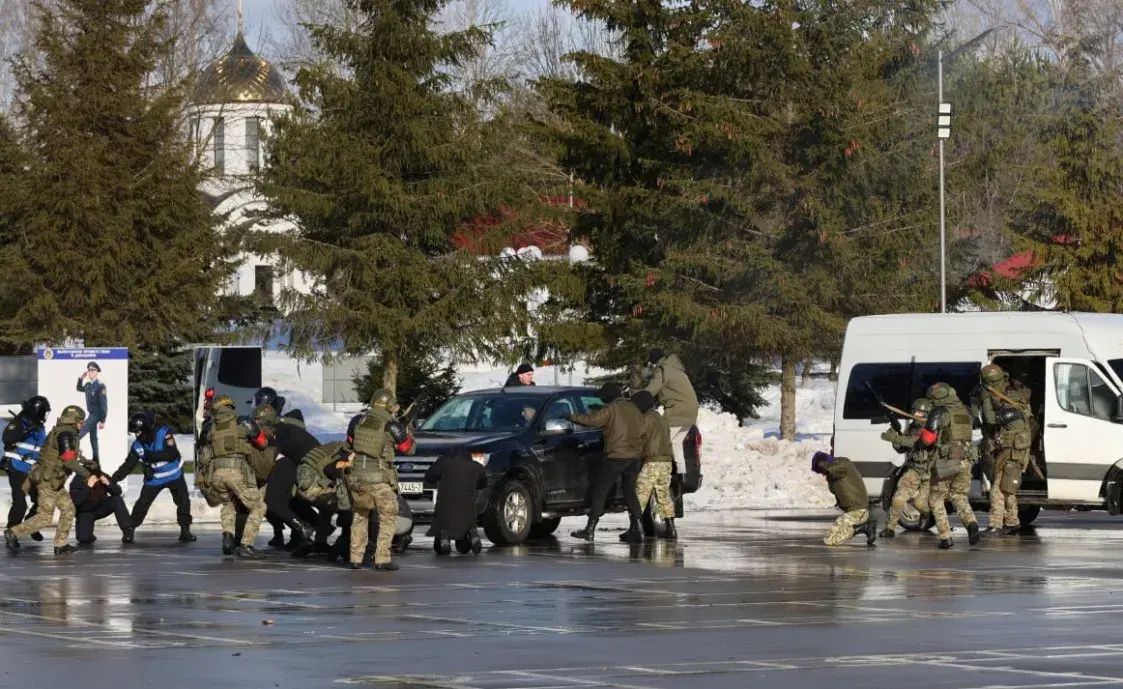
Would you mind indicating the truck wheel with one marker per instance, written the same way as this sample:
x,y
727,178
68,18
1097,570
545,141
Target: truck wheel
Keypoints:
x,y
545,527
1028,514
510,515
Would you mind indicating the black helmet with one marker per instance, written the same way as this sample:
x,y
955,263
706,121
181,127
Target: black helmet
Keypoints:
x,y
142,422
1008,415
268,396
36,408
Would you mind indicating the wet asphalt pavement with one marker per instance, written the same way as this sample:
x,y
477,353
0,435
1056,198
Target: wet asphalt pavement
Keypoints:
x,y
753,602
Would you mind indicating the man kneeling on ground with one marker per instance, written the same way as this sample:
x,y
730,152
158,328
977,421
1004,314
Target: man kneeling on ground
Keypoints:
x,y
846,485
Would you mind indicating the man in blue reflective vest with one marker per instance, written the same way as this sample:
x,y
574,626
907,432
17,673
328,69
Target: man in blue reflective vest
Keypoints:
x,y
155,448
23,436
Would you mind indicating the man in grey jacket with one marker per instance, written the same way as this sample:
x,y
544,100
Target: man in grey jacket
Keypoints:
x,y
672,389
97,405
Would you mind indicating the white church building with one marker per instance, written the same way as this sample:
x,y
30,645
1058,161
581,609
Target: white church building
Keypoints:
x,y
236,98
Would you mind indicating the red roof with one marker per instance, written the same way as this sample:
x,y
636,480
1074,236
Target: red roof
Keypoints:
x,y
551,237
1012,266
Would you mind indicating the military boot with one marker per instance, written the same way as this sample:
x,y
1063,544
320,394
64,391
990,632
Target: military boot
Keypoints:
x,y
869,528
368,555
945,544
669,532
65,549
185,535
227,544
10,541
973,533
127,534
37,537
589,532
888,533
247,552
474,539
634,534
1012,531
387,567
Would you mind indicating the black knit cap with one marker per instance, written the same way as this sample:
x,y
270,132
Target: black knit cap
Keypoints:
x,y
610,392
644,400
525,368
655,356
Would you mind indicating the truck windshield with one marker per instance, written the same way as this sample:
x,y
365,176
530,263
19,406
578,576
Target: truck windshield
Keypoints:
x,y
485,413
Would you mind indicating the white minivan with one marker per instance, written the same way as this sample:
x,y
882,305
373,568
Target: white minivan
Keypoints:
x,y
1072,363
232,371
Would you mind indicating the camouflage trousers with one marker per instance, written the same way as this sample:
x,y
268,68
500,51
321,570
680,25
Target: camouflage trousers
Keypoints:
x,y
655,477
386,506
232,485
911,486
843,528
1003,506
954,488
49,501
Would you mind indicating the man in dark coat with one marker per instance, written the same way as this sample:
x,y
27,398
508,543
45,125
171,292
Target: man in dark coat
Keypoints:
x,y
458,476
523,376
96,498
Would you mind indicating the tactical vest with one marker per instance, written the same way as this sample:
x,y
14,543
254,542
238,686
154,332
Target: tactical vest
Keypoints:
x,y
311,481
959,428
49,470
227,442
954,444
370,436
158,473
918,459
261,461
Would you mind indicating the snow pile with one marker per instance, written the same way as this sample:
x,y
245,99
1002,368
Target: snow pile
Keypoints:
x,y
746,466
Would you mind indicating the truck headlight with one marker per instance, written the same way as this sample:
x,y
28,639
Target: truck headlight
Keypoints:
x,y
481,458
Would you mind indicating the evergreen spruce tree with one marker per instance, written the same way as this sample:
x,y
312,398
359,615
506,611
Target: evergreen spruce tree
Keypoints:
x,y
160,380
1073,223
733,157
11,170
115,244
395,183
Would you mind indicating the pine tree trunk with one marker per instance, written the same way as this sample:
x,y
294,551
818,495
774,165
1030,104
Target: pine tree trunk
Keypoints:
x,y
390,374
787,398
806,375
834,370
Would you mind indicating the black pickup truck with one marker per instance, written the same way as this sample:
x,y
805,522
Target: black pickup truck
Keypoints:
x,y
539,465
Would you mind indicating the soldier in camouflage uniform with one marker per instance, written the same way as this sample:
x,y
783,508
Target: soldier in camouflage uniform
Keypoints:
x,y
994,379
947,433
1010,463
58,458
914,482
655,476
371,479
848,488
230,443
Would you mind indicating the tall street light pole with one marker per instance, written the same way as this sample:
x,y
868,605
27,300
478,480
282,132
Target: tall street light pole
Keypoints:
x,y
943,131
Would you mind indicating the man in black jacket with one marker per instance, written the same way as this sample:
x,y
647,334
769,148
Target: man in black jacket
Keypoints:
x,y
457,476
291,442
96,498
523,375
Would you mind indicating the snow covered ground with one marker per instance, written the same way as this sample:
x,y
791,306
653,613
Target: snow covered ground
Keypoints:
x,y
745,466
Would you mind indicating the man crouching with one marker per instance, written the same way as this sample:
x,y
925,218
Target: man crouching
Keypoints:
x,y
846,485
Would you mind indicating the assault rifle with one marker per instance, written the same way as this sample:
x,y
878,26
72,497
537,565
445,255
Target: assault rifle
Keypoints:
x,y
409,416
893,420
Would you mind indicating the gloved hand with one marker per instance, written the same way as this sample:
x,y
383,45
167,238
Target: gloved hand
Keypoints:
x,y
888,435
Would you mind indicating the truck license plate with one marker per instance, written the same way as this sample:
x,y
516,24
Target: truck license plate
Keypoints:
x,y
411,488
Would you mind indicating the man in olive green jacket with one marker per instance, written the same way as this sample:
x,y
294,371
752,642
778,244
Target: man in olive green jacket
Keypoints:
x,y
672,389
623,448
846,484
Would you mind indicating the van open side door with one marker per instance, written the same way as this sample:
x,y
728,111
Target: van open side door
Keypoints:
x,y
1082,441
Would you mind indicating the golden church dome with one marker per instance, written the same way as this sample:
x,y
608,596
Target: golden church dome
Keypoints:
x,y
240,76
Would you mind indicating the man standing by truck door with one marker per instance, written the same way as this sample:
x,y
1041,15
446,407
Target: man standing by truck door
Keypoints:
x,y
948,434
996,384
1010,464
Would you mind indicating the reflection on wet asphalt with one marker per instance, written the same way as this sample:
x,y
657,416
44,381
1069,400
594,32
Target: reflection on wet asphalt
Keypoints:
x,y
743,599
